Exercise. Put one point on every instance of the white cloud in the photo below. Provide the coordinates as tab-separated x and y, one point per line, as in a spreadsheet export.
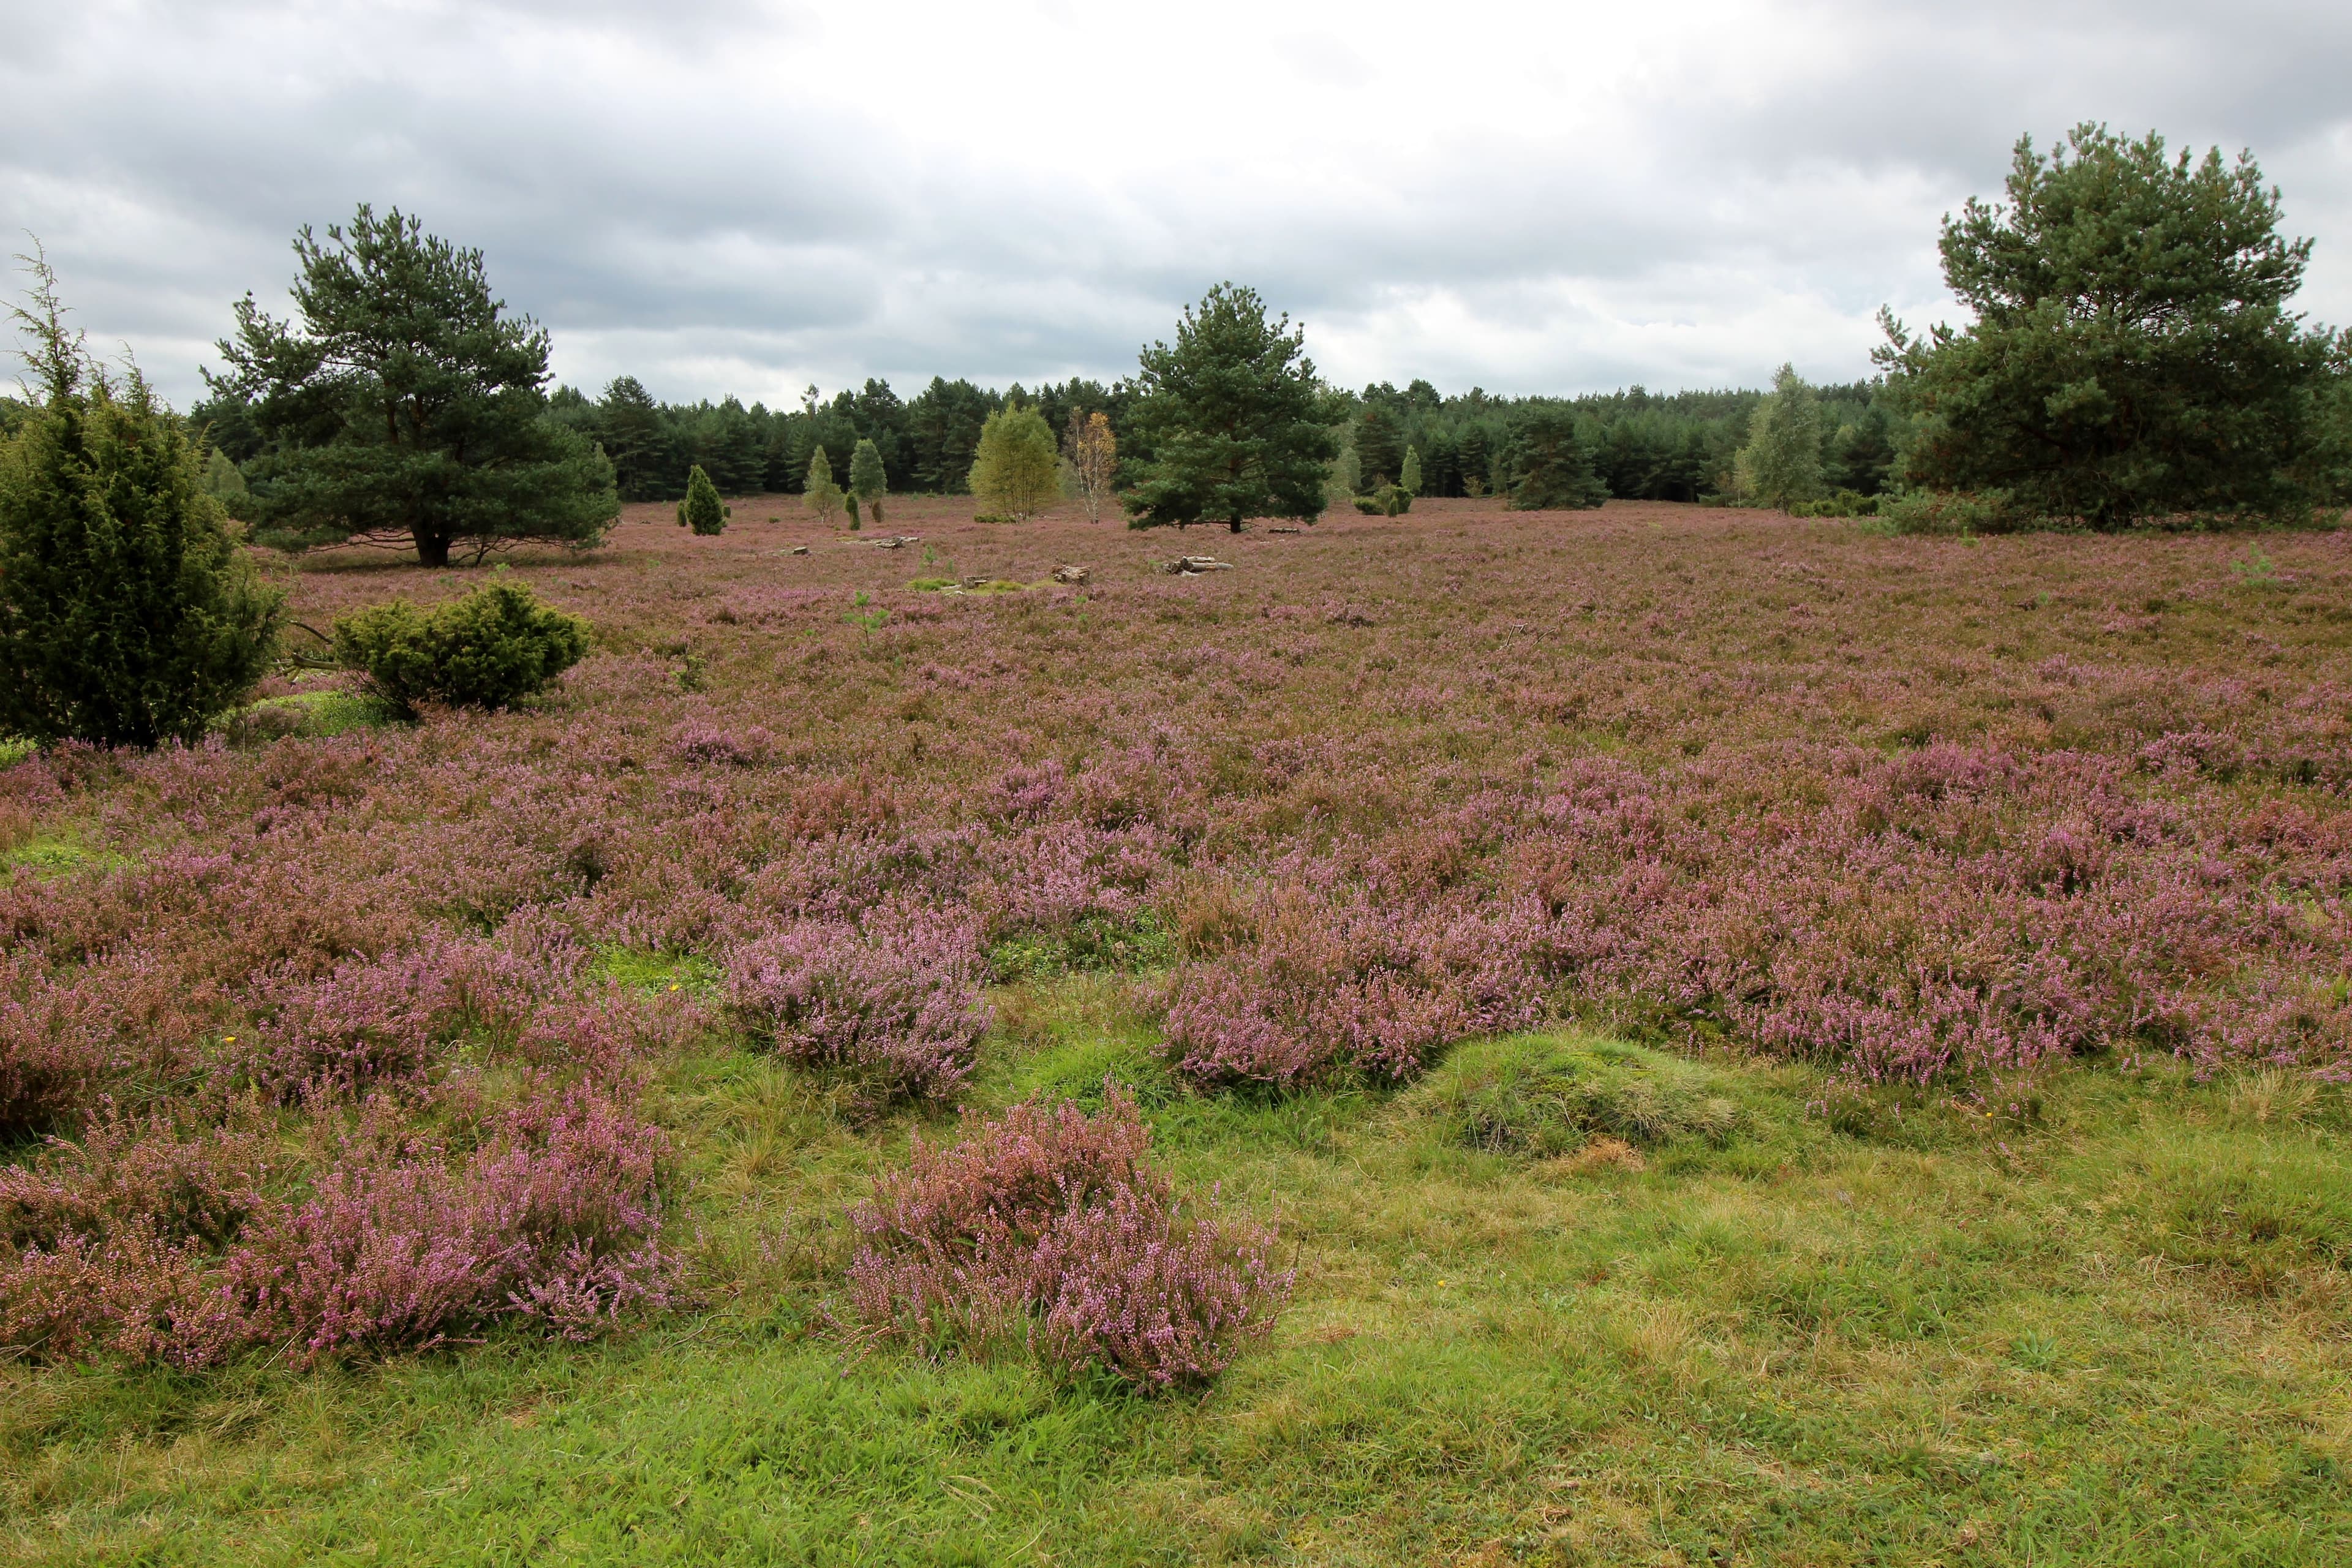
734	196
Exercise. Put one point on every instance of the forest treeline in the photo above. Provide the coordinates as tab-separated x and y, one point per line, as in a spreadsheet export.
1644	446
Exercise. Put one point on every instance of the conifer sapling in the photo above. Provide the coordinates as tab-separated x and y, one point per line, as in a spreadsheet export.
821	495
867	481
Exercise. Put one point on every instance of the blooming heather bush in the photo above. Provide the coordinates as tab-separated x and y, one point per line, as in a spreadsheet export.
384	1018
555	1217
1046	1227
157	1248
1330	985
898	1005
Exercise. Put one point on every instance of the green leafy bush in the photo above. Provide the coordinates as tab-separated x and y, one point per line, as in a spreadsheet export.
128	614
1840	503
1548	1094
488	650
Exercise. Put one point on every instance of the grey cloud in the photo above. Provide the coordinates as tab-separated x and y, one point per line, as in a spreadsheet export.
711	197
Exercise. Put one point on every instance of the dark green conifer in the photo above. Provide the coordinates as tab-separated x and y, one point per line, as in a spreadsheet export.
1550	466
702	511
128	613
1379	448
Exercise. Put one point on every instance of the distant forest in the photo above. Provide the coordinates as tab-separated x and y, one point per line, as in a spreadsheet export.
1644	446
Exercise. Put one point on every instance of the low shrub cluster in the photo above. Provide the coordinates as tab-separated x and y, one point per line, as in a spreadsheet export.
489	649
1046	1228
153	1244
1321	988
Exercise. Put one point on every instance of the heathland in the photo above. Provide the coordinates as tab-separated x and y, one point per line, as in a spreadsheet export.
1754	1039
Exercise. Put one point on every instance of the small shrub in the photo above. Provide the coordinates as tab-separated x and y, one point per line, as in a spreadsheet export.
867	481
1546	1095
489	649
1840	503
1047	1229
1947	512
898	1007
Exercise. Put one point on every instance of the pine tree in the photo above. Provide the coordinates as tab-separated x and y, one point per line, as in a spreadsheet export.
1230	417
407	406
1861	453
629	428
1018	472
867	481
1782	464
2132	355
820	494
1550	466
128	614
1409	476
702	511
1379	448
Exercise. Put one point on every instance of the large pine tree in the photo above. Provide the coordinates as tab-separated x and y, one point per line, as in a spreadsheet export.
407	406
629	428
1228	415
2132	353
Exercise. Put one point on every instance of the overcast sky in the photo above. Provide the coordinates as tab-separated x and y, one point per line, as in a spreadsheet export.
733	197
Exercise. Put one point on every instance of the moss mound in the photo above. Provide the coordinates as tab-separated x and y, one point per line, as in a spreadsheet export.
1548	1094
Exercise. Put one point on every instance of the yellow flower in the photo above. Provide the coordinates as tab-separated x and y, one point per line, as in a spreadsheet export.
673	984
228	1039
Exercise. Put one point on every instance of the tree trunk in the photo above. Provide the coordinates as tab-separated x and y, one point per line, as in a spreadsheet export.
432	549
1235	525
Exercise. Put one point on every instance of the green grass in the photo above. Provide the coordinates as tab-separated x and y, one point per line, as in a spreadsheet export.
657	971
2115	1333
317	713
49	855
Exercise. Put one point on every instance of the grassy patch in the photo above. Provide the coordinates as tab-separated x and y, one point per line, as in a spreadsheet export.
1553	1094
660	971
1091	945
2114	1336
313	713
49	855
